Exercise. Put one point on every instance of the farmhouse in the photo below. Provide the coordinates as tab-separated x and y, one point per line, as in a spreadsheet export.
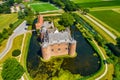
55	43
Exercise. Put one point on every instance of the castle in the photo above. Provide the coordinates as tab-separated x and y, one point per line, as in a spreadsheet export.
55	43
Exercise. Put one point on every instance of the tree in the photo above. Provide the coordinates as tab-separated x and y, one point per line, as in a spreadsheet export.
66	20
85	11
12	70
21	15
11	25
10	2
16	52
18	1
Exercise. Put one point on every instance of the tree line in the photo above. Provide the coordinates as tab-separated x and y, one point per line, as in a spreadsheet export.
5	6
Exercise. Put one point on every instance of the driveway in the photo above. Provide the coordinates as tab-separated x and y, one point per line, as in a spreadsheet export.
18	31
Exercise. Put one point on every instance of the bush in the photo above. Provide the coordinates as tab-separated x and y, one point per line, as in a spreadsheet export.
16	52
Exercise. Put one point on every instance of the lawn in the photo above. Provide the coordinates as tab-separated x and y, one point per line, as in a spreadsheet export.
42	7
6	19
108	17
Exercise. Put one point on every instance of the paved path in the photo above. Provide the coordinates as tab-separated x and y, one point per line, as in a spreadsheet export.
106	66
102	27
18	31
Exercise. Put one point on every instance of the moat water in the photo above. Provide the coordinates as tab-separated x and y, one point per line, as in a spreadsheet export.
85	63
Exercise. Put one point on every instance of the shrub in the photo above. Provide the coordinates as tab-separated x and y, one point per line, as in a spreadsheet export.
16	52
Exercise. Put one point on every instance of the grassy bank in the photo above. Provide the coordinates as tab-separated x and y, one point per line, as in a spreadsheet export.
6	19
2	46
24	55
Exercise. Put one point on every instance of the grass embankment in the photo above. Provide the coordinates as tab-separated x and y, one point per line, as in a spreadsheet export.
108	17
24	55
17	42
42	7
6	19
96	28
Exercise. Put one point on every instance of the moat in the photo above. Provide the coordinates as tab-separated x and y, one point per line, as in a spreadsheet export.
85	63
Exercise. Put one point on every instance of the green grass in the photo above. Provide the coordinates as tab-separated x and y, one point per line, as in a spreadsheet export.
42	7
24	55
109	17
85	1
6	19
3	45
99	4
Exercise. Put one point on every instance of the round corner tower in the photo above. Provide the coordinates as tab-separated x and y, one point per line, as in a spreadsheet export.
72	49
45	53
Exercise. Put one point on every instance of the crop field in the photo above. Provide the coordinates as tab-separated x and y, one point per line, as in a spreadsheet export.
42	7
6	19
109	17
97	3
85	1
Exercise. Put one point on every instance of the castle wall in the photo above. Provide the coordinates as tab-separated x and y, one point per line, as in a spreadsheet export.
72	49
55	50
59	49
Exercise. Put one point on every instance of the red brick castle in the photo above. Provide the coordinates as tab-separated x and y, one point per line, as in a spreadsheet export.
55	43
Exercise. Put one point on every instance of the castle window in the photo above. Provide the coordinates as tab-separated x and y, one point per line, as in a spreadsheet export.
58	49
66	48
52	49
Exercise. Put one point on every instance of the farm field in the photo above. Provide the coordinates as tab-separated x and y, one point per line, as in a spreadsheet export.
108	17
42	7
97	3
6	19
85	1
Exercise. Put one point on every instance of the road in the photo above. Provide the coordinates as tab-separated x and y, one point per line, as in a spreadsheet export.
106	66
102	27
110	34
18	31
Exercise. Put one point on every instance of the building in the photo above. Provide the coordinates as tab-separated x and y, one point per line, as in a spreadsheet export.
53	42
15	8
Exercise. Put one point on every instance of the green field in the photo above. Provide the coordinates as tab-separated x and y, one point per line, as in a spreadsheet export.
6	19
97	3
42	7
109	17
85	1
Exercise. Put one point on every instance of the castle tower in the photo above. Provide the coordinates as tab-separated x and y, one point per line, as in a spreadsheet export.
46	53
39	24
72	49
